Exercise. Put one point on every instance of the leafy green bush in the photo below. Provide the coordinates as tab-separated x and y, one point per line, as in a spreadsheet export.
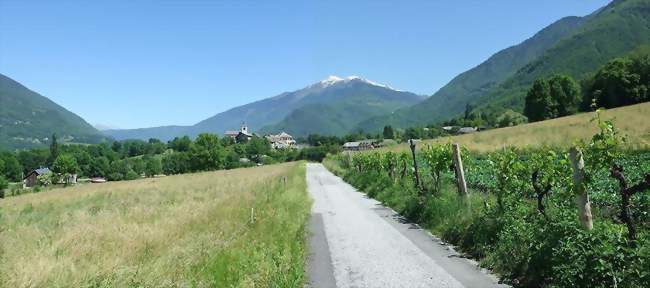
3	185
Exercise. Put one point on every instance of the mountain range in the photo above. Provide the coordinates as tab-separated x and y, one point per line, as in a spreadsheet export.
575	46
333	106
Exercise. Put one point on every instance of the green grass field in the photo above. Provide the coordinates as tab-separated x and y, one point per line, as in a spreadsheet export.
190	230
634	121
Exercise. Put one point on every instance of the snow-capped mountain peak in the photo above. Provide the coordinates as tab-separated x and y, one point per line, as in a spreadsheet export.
332	80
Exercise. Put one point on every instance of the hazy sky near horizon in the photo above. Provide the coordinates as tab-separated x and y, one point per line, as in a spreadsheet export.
132	64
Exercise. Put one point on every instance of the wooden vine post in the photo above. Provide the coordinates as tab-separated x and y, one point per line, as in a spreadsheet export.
460	173
415	165
349	158
582	198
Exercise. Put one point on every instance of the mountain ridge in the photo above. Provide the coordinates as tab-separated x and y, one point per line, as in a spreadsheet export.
28	119
262	114
476	81
575	46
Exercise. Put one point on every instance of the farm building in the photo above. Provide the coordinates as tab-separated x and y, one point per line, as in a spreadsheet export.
31	179
359	145
467	130
281	141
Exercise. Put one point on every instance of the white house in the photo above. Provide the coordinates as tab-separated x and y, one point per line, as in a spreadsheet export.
281	141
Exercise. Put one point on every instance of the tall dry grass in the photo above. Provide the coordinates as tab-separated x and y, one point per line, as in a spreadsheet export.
633	120
185	230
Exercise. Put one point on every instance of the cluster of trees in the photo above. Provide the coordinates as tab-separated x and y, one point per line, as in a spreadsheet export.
132	159
10	170
334	142
487	117
620	82
550	98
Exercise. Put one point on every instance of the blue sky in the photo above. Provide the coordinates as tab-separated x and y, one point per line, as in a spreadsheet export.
134	64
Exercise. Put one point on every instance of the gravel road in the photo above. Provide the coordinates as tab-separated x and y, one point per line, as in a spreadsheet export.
356	242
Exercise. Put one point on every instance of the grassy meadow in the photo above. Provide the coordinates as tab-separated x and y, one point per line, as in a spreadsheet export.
191	230
633	120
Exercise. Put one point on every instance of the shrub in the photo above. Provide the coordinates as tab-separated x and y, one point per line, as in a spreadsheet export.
3	185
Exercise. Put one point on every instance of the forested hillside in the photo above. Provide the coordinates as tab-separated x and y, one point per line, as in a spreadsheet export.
27	119
574	46
619	29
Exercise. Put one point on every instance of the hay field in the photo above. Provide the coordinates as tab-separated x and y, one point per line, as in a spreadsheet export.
634	121
190	230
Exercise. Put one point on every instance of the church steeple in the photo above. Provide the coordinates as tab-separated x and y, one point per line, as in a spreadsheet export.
244	128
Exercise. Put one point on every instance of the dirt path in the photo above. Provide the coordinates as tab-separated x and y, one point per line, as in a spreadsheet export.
356	242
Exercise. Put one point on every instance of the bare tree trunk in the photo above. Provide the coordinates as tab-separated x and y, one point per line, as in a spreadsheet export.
582	198
415	165
460	173
540	191
627	192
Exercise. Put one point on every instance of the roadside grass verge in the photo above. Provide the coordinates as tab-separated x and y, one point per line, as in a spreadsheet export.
191	230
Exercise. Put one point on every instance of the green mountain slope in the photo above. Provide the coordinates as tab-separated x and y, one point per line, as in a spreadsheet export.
476	82
346	106
28	119
574	45
614	31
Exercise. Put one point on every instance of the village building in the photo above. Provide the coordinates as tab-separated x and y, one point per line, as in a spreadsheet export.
240	136
359	145
281	141
31	179
467	130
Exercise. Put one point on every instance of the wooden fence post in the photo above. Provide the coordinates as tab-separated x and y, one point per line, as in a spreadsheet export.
582	198
415	165
460	173
349	158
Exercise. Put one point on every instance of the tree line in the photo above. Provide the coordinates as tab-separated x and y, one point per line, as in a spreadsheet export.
132	159
622	81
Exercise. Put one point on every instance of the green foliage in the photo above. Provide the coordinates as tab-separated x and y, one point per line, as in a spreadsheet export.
66	166
551	98
388	132
176	163
522	219
9	167
539	105
54	149
180	144
3	185
565	93
153	167
47	179
510	118
622	81
438	159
